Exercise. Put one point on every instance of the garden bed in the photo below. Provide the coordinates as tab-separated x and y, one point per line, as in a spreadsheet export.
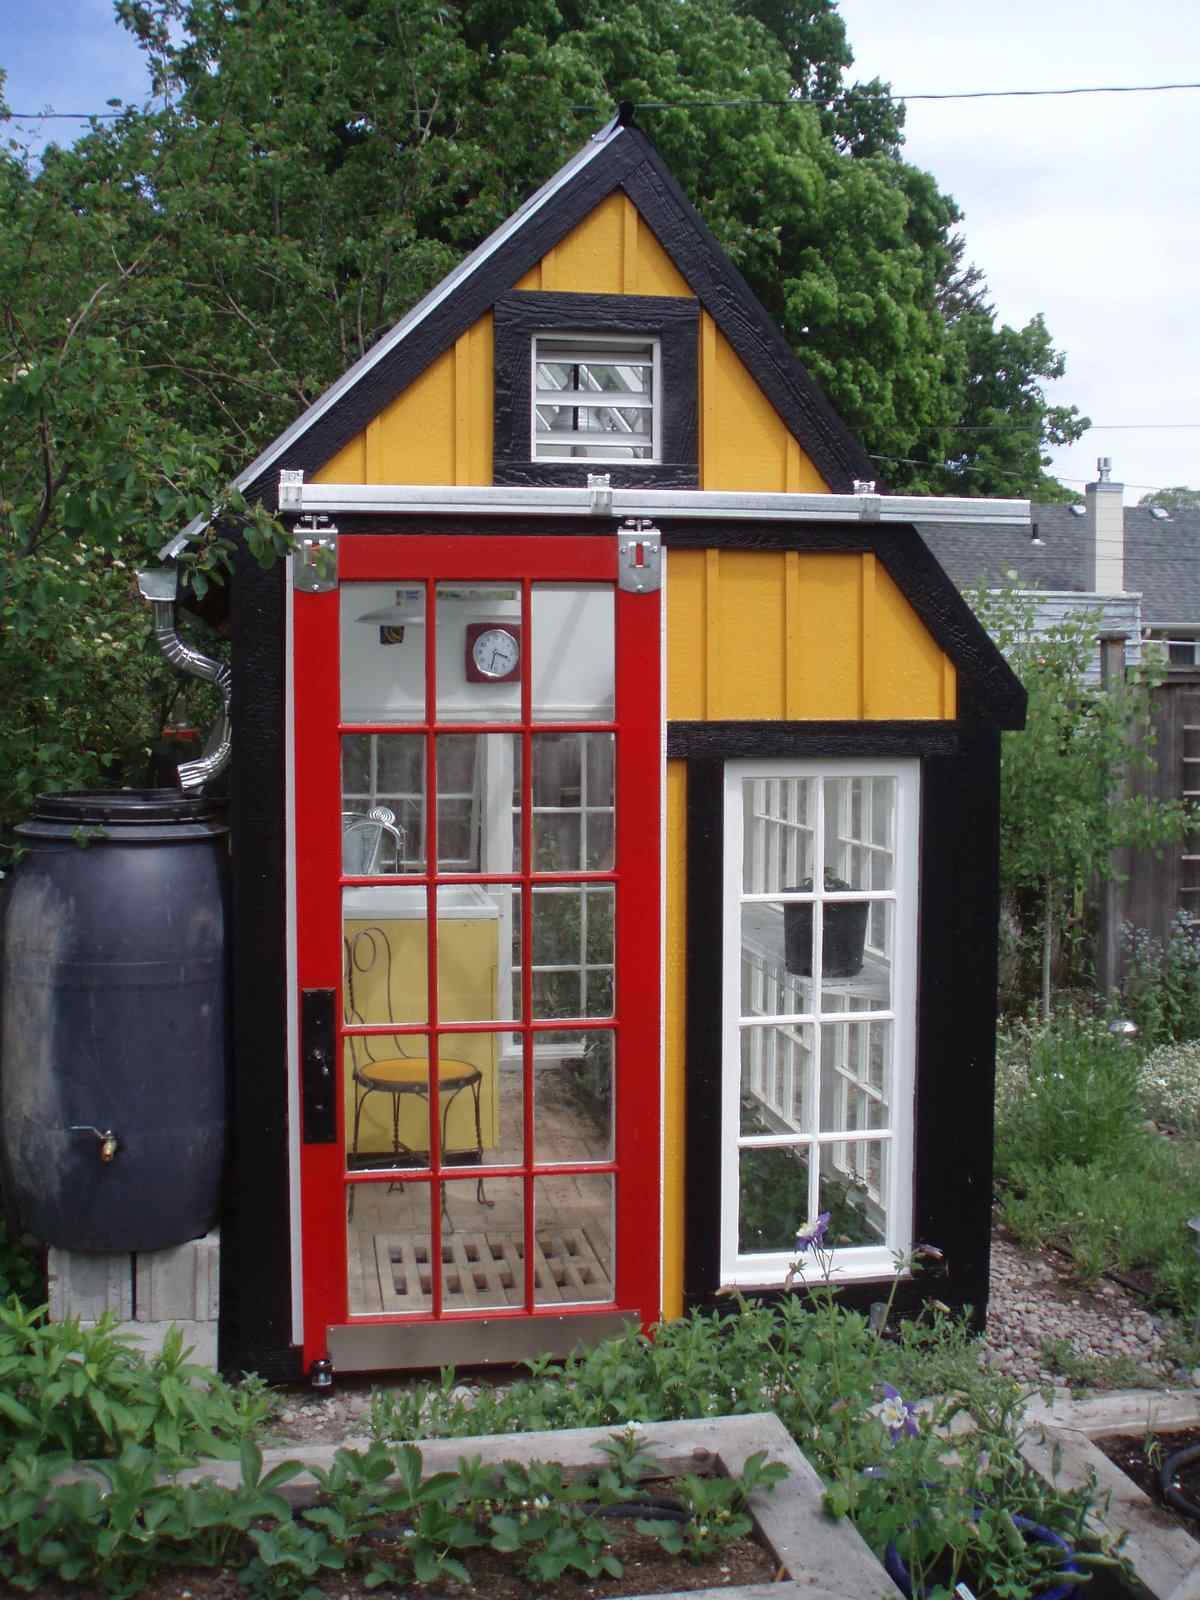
647	1570
1061	1443
1140	1456
794	1549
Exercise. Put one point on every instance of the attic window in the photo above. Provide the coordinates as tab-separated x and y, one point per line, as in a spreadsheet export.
596	399
587	382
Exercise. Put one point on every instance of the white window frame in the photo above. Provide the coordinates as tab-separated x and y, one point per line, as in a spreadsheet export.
761	1268
599	348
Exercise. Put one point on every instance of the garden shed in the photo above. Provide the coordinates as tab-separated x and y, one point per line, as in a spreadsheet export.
614	823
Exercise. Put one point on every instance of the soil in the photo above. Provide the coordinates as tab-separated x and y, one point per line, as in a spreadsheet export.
1139	1455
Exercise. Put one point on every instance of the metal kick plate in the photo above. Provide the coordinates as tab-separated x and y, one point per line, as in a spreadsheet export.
479	1341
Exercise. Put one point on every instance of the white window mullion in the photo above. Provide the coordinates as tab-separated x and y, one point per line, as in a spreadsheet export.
785	1009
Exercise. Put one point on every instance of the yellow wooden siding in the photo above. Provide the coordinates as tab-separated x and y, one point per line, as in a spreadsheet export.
766	636
675	1004
744	443
438	430
611	251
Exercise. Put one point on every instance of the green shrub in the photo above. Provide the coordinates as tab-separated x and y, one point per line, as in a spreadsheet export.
1075	1102
1161	987
89	1392
1130	1216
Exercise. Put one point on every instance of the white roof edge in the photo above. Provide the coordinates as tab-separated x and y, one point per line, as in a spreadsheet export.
1114	597
500	500
410	320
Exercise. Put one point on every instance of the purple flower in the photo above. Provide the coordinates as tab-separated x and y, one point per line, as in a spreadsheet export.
814	1236
897	1416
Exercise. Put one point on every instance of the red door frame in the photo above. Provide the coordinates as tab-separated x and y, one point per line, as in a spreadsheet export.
637	874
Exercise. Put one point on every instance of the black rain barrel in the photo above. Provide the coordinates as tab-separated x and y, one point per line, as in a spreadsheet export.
114	1011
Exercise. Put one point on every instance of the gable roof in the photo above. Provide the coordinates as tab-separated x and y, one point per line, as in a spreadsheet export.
1162	557
618	157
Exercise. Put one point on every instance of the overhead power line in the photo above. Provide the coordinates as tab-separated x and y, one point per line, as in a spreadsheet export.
703	105
1092	427
997	472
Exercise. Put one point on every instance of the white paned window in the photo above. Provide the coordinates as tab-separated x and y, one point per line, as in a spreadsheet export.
819	1013
596	399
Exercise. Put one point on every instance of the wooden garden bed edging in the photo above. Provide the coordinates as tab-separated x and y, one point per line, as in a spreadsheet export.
1058	1446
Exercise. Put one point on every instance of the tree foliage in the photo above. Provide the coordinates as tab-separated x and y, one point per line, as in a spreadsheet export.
1064	802
1178	498
186	278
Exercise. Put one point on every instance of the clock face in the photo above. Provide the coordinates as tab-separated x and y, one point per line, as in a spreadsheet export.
493	652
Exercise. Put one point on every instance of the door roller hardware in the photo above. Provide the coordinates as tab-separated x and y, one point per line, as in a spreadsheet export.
314	569
639	557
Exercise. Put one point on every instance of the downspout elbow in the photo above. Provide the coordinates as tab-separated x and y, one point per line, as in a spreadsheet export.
158	587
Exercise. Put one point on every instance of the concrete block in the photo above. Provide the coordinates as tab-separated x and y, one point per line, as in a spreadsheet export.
84	1284
179	1285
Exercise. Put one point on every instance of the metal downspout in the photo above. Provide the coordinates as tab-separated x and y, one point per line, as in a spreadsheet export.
159	586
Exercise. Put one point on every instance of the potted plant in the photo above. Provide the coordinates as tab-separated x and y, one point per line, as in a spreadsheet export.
844	931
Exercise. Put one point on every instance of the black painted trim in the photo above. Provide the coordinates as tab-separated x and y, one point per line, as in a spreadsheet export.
725	741
956	1005
436	333
255	1321
728	298
958	919
702	1088
674	322
627	162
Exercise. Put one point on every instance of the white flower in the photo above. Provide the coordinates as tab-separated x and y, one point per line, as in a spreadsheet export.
891	1412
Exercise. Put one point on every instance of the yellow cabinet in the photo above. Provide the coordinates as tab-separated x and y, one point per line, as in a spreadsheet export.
386	959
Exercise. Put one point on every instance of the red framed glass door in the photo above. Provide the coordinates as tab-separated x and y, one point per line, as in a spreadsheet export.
477	826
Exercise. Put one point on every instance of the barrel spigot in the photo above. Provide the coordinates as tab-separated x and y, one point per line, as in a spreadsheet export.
105	1136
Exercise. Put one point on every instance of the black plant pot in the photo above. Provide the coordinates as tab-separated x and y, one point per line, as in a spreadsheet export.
844	938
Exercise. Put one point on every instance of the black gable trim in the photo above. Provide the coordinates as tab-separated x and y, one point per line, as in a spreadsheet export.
470	300
629	162
727	297
906	559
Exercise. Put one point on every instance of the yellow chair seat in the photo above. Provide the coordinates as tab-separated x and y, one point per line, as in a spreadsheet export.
410	1074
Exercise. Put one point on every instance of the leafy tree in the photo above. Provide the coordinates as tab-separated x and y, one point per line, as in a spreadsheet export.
1005	420
1064	806
1179	498
180	283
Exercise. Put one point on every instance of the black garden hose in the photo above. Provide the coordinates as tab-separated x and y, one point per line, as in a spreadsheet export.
654	1508
1169	1471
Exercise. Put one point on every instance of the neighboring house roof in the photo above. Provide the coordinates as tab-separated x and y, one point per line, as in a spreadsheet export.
1162	558
1162	561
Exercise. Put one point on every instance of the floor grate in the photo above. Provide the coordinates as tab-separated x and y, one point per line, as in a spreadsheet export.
482	1270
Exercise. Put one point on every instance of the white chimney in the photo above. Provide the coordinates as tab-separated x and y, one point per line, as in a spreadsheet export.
1104	566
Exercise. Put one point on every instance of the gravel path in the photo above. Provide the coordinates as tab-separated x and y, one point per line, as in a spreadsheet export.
1114	1341
1107	1340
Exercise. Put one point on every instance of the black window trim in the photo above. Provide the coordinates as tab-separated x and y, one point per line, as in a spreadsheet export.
673	320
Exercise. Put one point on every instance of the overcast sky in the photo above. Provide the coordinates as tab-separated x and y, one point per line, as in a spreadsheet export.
1084	208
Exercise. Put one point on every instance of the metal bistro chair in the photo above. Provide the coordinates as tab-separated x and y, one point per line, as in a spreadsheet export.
363	835
398	1074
